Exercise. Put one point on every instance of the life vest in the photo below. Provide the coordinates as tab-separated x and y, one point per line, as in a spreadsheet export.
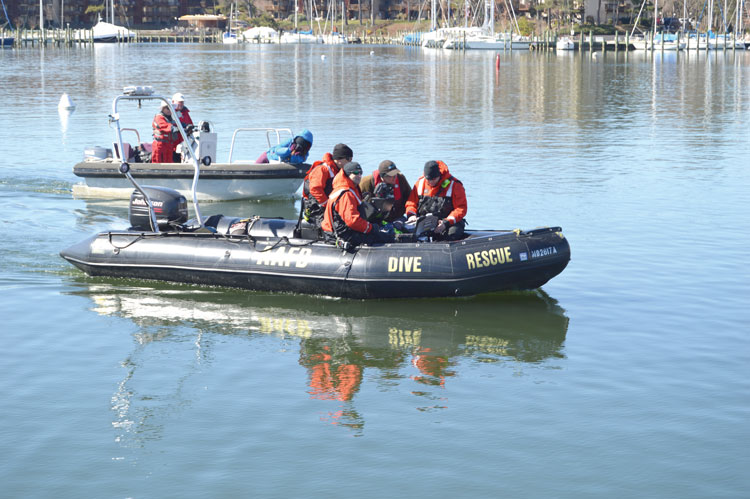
184	113
159	135
442	203
329	183
340	229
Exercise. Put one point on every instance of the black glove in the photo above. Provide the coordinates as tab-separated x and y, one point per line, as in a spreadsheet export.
189	129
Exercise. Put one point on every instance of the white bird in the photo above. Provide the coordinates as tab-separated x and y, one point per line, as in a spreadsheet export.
323	57
65	102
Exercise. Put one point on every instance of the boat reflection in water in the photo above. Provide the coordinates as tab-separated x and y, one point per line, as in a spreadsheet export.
418	342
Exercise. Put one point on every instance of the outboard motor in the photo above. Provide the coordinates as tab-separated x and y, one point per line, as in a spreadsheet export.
170	208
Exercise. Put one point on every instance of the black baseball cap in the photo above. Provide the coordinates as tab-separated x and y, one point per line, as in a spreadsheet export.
431	170
352	167
342	151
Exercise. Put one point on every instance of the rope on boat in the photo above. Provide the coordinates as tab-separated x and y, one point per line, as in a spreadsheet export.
120	248
238	239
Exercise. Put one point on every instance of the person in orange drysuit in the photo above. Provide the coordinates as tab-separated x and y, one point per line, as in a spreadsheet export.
183	114
441	194
165	136
318	183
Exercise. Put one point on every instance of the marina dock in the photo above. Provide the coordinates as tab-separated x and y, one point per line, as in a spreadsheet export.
545	42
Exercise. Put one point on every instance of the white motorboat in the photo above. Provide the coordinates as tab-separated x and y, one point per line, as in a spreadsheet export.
335	39
236	178
661	41
229	38
104	32
453	38
503	41
717	42
565	43
300	37
433	39
261	34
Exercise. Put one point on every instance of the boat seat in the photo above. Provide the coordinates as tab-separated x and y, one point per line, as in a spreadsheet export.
224	225
261	227
273	227
127	149
309	231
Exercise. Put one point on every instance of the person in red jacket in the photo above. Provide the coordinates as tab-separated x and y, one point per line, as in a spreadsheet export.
182	113
318	183
439	193
165	136
343	220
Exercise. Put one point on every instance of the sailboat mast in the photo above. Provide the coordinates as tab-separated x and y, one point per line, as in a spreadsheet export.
725	16
684	14
738	25
41	15
487	23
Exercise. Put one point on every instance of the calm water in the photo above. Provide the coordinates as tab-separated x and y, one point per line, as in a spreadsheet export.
625	376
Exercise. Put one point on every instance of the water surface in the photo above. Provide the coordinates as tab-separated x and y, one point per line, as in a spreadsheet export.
626	375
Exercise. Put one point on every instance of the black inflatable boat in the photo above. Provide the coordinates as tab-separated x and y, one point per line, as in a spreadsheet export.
276	255
271	258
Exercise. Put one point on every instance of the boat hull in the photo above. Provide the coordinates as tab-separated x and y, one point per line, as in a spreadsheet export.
565	44
218	182
299	38
486	43
272	259
497	45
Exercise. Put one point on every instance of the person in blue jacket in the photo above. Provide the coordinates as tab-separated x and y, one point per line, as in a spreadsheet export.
294	150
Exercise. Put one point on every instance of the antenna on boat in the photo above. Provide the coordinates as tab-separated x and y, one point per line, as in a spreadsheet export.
147	93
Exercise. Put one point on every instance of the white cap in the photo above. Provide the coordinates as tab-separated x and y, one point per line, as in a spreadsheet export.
178	97
163	104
